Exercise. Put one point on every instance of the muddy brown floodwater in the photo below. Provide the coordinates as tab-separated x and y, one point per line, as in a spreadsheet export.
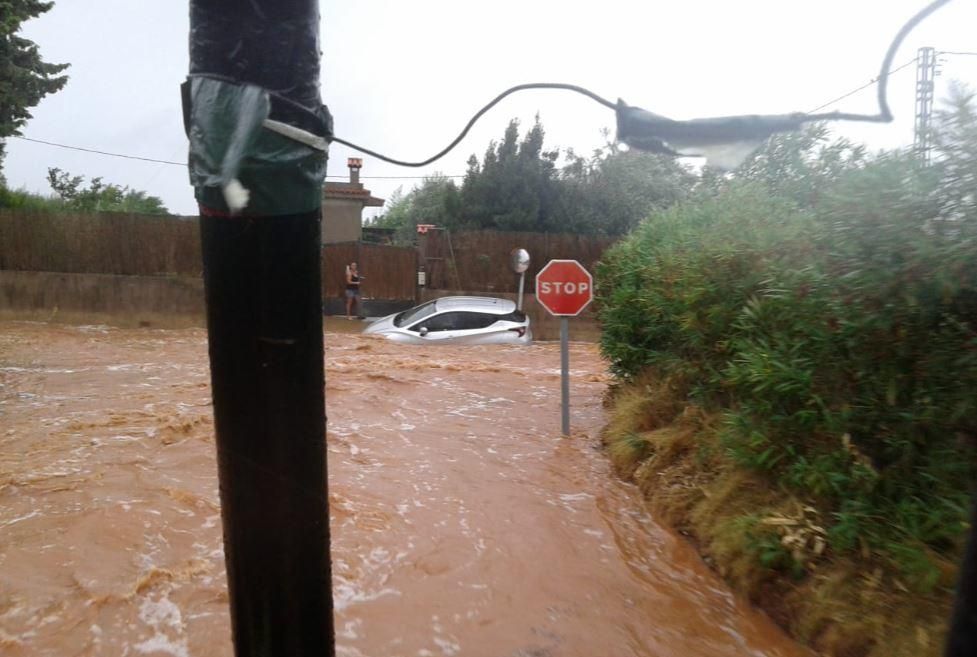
462	523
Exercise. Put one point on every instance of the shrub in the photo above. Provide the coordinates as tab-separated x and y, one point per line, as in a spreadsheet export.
838	339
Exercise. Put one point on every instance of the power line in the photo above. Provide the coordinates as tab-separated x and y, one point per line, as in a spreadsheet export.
183	164
433	175
864	86
884	114
895	70
98	152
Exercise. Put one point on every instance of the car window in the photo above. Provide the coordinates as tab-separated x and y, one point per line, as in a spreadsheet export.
477	320
457	321
514	316
442	322
408	317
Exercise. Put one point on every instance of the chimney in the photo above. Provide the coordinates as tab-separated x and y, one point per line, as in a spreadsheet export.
354	164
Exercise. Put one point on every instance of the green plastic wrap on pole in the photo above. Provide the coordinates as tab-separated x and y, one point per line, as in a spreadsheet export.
228	141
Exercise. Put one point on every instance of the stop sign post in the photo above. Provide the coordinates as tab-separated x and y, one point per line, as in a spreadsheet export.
564	288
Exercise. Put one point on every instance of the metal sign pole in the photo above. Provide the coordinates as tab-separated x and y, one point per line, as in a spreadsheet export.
565	372
522	286
564	288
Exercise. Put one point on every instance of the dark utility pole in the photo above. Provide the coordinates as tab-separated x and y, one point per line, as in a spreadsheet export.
258	133
962	638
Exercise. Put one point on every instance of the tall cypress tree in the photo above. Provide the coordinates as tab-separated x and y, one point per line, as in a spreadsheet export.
512	189
24	77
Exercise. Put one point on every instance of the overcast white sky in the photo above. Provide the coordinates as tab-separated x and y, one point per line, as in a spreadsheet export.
402	77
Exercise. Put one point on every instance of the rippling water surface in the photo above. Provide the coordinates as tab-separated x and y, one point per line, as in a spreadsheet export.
463	524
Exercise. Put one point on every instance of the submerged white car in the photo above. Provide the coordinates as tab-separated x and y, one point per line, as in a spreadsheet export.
457	320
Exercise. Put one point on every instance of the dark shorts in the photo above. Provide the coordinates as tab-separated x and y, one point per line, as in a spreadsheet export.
352	294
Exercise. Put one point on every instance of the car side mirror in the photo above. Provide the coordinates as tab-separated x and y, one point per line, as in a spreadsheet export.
423	331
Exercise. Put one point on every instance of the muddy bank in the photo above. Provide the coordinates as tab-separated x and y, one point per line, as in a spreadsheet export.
463	524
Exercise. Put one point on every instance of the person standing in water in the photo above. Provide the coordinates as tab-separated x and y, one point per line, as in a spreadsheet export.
353	279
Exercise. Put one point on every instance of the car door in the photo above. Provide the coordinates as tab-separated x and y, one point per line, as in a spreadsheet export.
476	328
455	326
437	328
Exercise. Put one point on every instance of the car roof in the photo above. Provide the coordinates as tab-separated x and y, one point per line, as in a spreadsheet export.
476	304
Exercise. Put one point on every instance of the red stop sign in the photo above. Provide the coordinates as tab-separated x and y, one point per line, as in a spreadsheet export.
564	287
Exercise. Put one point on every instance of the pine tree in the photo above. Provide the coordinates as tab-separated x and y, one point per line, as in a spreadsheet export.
514	187
24	77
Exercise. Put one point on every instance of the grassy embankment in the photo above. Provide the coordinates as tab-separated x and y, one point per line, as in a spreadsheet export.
796	361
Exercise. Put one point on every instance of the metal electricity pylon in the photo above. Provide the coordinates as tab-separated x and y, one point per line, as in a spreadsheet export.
925	78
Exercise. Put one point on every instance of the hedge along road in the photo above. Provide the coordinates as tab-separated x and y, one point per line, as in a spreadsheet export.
463	524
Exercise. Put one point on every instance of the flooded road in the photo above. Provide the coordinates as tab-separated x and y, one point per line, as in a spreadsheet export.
462	523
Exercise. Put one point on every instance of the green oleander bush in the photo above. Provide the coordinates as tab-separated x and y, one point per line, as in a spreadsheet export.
833	334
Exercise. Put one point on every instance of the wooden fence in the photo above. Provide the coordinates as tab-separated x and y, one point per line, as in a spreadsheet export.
145	245
389	272
136	245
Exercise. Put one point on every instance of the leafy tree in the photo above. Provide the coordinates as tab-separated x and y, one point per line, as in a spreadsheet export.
21	199
802	165
612	191
954	137
437	200
515	186
24	77
395	214
518	186
101	197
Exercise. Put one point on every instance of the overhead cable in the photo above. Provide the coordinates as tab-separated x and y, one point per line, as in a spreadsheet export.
730	124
